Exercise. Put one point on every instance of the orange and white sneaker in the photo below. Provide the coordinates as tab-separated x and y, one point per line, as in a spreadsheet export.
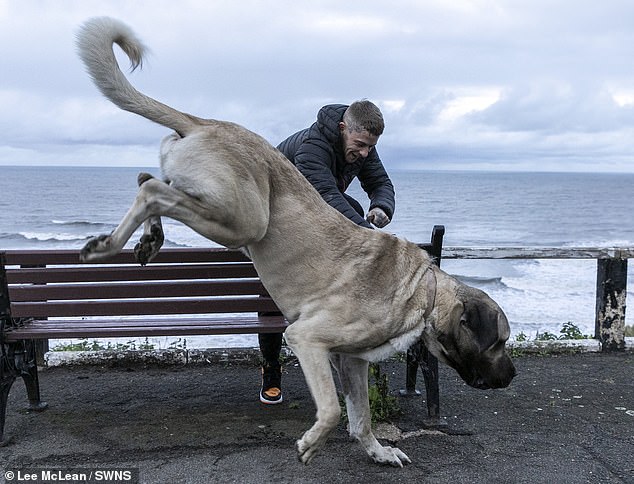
271	391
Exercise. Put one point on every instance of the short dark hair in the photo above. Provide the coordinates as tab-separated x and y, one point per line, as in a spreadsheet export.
364	115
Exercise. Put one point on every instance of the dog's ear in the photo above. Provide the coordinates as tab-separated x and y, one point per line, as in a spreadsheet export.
452	327
481	320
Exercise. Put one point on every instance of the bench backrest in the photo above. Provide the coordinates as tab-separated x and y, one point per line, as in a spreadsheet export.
53	283
47	283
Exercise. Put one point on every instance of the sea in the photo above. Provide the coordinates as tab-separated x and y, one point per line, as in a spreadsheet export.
62	207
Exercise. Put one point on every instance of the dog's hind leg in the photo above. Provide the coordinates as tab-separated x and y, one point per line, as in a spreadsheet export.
353	375
155	198
104	246
313	359
153	236
151	241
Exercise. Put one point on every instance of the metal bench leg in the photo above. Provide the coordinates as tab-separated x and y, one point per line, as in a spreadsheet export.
8	374
18	359
26	363
419	355
5	386
411	368
429	367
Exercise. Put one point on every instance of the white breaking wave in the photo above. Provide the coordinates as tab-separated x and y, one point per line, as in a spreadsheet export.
50	236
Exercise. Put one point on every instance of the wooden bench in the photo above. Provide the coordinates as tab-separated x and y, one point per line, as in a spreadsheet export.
49	294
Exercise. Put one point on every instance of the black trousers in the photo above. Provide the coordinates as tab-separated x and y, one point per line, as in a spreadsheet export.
270	347
271	343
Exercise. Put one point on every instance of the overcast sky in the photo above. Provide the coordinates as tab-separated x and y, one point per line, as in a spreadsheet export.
481	84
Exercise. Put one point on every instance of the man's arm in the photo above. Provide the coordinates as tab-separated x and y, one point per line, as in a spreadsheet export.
377	184
315	160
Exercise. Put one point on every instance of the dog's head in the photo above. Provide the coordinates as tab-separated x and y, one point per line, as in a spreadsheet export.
469	334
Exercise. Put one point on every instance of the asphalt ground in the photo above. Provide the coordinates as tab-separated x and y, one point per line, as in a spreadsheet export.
564	419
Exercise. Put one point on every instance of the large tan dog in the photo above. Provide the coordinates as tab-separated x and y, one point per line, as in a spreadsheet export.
351	294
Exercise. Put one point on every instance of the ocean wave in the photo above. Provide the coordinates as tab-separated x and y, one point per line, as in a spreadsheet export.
171	243
179	235
36	240
52	237
479	281
83	223
33	240
603	243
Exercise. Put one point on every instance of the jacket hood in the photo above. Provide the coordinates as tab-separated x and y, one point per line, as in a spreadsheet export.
328	119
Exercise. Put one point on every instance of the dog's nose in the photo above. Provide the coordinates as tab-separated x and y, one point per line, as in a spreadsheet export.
480	384
509	377
502	376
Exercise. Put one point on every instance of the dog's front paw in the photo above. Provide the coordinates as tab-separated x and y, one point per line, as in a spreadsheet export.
149	245
96	248
390	456
305	451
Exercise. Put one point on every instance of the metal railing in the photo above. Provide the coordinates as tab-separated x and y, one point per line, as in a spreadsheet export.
611	280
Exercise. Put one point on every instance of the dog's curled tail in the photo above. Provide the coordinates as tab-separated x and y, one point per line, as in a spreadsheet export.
95	40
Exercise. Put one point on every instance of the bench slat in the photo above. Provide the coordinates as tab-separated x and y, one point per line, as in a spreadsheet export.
140	307
129	290
60	329
115	322
129	273
166	255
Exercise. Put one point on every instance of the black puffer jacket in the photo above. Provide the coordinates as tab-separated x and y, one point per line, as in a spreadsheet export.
318	154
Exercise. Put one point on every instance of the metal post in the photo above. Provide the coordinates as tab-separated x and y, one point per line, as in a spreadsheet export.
610	307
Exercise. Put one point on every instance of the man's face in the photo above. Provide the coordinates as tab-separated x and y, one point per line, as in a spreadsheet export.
356	144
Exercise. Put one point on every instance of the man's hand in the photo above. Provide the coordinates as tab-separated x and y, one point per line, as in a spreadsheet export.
377	217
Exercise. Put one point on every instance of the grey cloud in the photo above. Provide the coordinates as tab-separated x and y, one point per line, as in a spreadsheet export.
270	66
555	108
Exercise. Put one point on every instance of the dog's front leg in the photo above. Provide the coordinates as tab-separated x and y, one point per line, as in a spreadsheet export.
313	359
353	375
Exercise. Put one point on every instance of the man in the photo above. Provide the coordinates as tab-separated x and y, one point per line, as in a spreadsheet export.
338	147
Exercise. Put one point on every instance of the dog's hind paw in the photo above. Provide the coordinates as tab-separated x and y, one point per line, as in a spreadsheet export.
143	177
390	456
149	245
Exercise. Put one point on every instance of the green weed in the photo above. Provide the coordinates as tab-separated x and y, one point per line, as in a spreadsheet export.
383	406
84	345
569	331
